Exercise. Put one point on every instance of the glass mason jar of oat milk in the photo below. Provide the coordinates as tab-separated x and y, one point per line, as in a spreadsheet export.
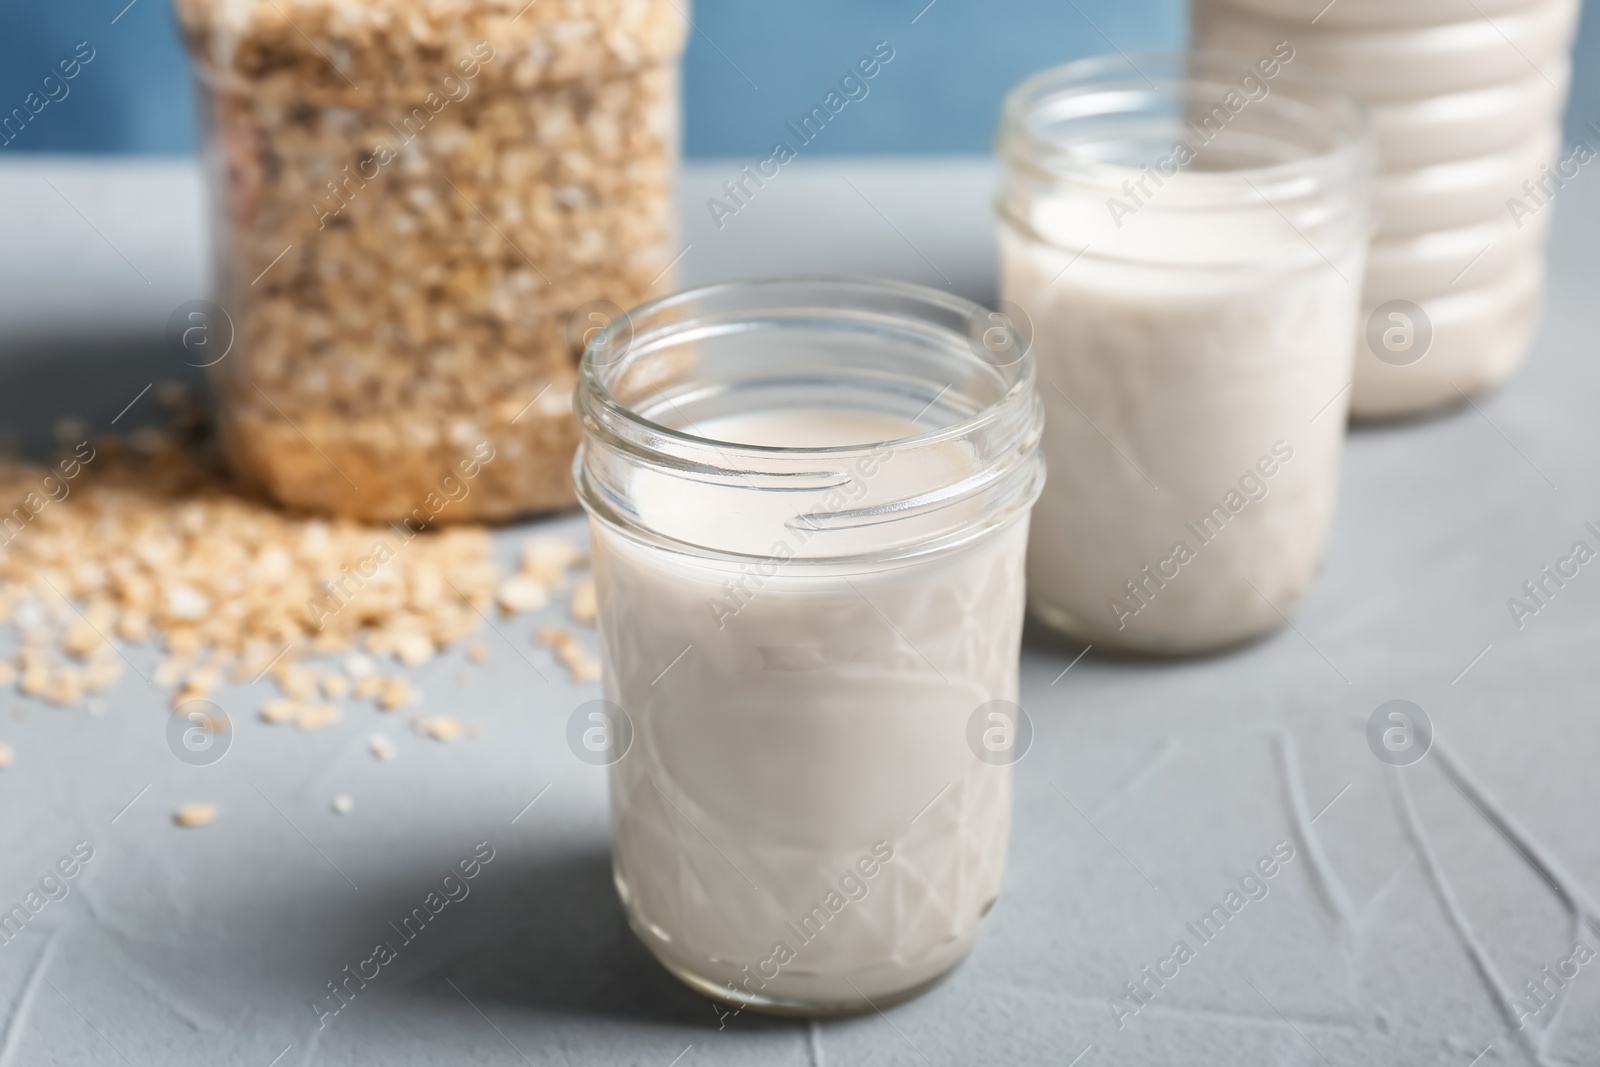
1187	236
808	507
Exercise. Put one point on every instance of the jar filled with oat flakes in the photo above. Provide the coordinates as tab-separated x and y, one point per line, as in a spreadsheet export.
420	207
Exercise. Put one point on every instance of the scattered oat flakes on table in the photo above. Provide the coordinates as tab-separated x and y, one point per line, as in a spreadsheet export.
82	639
586	669
158	544
195	815
547	559
440	727
585	605
581	666
413	649
393	693
317	716
35	680
65	687
521	593
168	673
343	805
280	711
296	681
134	625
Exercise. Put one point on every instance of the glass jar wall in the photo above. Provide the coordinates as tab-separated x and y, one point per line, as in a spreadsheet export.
808	505
412	202
1186	234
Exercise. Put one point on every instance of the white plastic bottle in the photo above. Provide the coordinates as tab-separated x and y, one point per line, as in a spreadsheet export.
1466	100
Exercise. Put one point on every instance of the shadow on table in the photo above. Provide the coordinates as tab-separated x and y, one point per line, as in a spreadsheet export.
94	379
1037	637
546	934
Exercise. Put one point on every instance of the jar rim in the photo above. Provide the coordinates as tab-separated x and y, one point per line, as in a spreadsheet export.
1102	127
744	347
599	392
1017	144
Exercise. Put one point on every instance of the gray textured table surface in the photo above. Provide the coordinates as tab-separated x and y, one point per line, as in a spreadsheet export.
1417	901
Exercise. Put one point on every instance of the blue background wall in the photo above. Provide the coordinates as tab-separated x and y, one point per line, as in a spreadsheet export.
941	93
